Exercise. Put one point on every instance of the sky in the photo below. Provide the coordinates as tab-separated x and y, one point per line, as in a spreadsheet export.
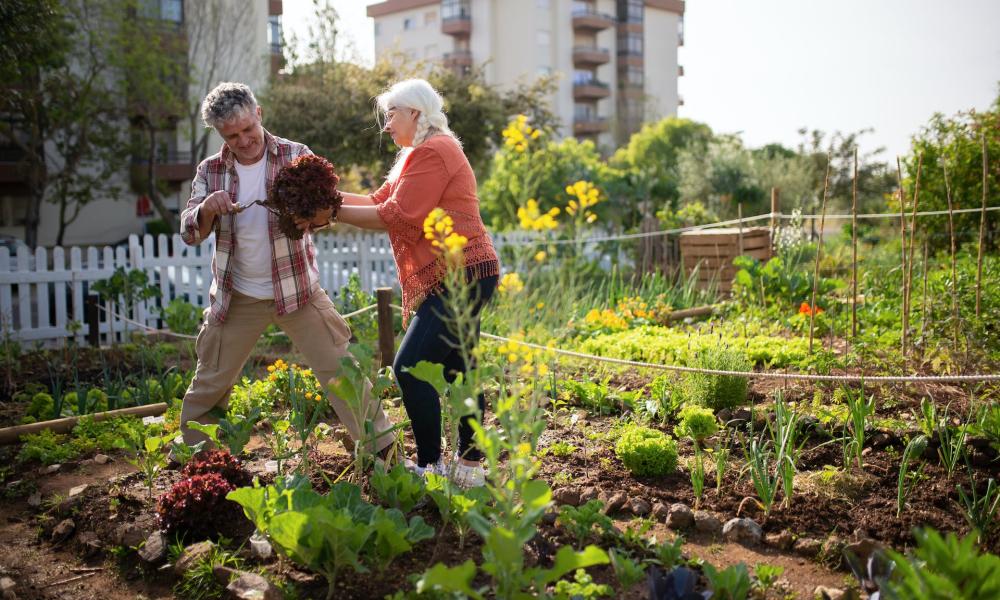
767	68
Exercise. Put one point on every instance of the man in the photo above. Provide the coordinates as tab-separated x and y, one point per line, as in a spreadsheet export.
259	275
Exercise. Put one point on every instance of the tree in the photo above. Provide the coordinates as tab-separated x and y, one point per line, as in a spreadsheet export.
328	106
531	165
34	38
652	154
152	57
217	45
64	115
721	174
956	142
874	176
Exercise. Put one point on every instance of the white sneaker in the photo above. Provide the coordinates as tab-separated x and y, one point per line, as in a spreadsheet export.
465	476
438	468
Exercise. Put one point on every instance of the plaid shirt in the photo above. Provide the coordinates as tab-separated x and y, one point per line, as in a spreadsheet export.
294	272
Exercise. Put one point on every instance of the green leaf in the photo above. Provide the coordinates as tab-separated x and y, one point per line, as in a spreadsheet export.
442	578
569	560
432	373
212	431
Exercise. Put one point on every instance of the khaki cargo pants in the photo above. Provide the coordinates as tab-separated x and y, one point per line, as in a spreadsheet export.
318	332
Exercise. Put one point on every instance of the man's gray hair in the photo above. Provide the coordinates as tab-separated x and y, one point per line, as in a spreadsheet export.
226	102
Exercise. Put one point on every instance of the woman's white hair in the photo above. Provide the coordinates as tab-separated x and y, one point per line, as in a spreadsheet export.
415	94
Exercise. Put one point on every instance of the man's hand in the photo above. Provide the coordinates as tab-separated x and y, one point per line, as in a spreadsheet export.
320	219
218	203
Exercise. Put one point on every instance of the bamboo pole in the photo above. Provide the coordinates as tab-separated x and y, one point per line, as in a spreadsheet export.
10	435
819	253
923	304
775	211
954	266
902	253
854	249
982	230
909	258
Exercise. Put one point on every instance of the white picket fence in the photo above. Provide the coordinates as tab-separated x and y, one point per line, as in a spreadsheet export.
42	296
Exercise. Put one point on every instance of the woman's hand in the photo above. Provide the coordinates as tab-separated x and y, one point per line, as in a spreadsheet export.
320	219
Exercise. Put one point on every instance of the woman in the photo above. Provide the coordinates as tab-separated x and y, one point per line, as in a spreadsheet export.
430	171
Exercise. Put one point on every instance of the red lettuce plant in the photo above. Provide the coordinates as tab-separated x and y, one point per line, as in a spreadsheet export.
303	187
220	462
196	506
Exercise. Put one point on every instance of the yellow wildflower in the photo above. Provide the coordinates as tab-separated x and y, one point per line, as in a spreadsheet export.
540	256
270	368
510	283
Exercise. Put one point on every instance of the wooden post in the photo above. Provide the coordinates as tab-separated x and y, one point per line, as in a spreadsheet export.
11	435
92	315
739	216
775	211
819	253
854	251
386	333
982	230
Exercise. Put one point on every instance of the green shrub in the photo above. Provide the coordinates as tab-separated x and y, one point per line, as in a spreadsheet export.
697	423
248	395
41	406
944	567
646	451
181	316
46	447
719	391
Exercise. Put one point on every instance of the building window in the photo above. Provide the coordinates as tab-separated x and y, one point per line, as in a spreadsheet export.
274	33
407	24
630	11
164	10
430	18
543	4
544	71
630	43
378	29
680	31
582	7
632	76
454	9
584	112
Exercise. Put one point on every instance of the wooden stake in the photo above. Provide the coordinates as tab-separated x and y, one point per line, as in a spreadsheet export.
386	332
982	230
954	267
923	305
775	211
819	252
902	253
854	251
913	232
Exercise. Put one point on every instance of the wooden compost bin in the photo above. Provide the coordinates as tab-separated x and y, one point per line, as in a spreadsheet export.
712	251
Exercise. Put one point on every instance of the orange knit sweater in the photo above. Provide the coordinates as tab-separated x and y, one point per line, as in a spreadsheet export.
436	174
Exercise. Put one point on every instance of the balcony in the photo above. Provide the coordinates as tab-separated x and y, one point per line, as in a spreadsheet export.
586	56
586	19
274	7
590	90
172	167
457	59
589	125
457	25
680	70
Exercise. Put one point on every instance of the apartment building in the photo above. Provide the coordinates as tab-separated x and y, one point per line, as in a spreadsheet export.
616	60
225	40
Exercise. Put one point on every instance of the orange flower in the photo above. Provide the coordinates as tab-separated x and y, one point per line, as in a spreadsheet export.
805	310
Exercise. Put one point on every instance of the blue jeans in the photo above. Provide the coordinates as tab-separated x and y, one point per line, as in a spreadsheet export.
429	338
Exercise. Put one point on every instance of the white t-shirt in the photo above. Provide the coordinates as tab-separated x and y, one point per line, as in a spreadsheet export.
252	257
